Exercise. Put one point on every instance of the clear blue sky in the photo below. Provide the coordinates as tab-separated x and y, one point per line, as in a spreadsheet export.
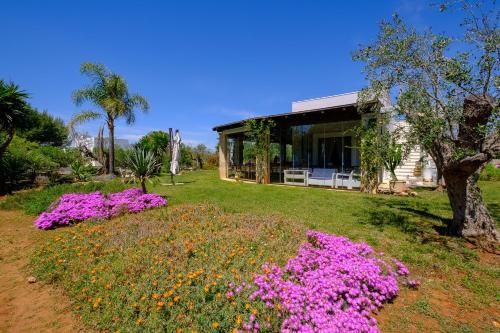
199	63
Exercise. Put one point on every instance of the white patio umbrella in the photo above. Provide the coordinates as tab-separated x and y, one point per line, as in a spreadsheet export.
174	163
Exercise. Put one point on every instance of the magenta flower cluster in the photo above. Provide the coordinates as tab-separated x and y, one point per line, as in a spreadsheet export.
332	285
77	207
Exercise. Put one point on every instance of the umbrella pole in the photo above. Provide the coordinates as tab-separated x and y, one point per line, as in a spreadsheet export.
172	178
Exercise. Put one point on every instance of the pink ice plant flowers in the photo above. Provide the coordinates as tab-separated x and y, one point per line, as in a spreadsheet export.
77	207
332	285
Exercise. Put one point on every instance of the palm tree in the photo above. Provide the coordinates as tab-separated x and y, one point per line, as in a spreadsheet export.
13	108
144	165
109	92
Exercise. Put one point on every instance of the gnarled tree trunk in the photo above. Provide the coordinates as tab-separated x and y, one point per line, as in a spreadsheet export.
471	219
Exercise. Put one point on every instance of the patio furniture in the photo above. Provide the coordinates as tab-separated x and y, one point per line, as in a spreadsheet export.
347	180
296	177
322	177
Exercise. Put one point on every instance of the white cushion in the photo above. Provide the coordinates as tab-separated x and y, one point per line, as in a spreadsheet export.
321	173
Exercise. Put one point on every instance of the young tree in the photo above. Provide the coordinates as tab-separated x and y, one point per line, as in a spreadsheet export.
109	92
13	110
144	166
449	96
259	131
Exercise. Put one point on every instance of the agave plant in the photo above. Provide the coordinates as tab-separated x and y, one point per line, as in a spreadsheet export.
143	165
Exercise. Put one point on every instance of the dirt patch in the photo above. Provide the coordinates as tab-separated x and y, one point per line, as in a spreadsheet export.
24	306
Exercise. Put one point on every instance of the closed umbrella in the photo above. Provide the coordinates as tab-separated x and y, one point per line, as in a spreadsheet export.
174	163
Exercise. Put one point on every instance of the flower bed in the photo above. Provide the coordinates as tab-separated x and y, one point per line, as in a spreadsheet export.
332	285
77	207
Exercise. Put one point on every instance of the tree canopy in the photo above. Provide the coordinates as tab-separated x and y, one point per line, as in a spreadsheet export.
43	128
155	141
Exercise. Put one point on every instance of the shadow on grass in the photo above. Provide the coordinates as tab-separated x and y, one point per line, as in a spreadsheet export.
409	216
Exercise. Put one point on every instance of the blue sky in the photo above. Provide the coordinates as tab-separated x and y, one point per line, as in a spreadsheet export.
199	63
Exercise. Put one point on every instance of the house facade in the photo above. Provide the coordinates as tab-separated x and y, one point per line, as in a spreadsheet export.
314	144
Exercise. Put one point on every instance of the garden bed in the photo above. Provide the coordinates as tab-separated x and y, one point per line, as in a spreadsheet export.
200	268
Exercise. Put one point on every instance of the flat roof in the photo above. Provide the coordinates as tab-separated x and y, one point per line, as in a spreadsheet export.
306	107
294	114
326	102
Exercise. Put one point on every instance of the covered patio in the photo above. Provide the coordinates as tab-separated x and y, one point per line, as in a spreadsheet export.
314	145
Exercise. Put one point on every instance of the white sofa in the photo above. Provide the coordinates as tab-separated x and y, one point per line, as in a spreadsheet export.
322	177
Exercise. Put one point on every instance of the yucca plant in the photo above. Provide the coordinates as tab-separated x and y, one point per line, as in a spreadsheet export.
143	165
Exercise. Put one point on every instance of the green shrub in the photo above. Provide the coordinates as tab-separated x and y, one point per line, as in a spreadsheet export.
20	164
63	157
490	173
34	202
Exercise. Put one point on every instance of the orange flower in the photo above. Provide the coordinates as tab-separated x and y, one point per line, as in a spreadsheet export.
215	325
156	296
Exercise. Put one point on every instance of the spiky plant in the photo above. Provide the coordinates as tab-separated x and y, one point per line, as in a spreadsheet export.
13	109
144	166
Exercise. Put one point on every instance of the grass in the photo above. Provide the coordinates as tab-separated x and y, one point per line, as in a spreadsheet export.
459	290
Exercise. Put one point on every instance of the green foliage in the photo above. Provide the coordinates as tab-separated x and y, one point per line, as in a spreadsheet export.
43	128
490	172
144	166
155	141
186	158
81	171
392	153
63	157
121	156
370	150
20	164
259	131
34	202
25	159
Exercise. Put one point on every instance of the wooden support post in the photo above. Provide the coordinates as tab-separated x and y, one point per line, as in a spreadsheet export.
267	162
222	156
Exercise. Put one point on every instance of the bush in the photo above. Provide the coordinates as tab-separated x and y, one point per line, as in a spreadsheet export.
63	157
20	164
490	172
34	202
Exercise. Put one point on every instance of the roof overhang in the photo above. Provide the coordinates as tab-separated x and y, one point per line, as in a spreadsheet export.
342	107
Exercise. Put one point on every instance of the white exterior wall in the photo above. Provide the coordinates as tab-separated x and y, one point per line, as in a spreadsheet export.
407	170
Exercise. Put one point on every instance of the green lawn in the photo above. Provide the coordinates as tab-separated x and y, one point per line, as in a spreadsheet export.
406	228
460	284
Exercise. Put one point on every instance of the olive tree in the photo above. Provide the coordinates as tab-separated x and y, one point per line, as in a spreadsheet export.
447	90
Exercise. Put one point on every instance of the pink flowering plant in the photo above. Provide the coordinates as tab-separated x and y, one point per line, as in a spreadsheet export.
332	285
76	207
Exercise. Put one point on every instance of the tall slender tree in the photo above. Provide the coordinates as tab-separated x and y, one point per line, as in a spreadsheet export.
447	90
109	92
13	110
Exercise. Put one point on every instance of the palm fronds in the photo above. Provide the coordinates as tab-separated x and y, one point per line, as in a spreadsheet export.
144	166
